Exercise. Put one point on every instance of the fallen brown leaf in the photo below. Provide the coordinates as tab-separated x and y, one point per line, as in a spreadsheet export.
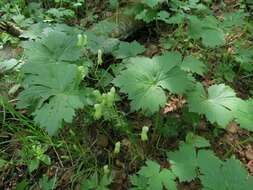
174	104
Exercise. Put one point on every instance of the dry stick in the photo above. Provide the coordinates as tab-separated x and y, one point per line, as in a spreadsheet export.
10	28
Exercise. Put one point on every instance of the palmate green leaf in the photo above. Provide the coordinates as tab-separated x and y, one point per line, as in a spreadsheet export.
127	50
35	30
167	43
147	15
41	29
221	105
145	80
244	56
138	182
164	16
47	184
194	65
206	29
56	47
185	169
103	28
233	19
178	5
46	80
218	104
60	108
189	163
183	162
154	177
54	90
106	44
244	114
97	183
228	175
151	3
209	166
61	13
213	37
196	141
178	18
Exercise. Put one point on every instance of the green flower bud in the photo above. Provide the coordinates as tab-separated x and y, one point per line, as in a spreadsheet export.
98	111
117	148
82	72
144	133
111	97
97	94
106	170
100	57
82	40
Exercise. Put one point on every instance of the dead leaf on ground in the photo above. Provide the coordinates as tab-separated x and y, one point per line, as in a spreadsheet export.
249	152
208	82
233	127
175	103
250	166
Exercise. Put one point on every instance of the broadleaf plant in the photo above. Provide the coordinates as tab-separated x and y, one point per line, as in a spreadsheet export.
51	82
186	170
222	175
54	47
207	29
149	11
220	105
192	64
205	165
97	182
151	3
244	114
151	177
146	80
53	90
126	50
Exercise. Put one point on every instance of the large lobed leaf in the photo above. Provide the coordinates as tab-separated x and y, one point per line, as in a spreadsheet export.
152	177
221	105
244	114
126	50
217	104
189	163
51	83
55	47
151	3
54	93
186	171
222	175
206	29
192	64
145	80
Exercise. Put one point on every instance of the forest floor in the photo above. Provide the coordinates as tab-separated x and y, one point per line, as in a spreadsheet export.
120	95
